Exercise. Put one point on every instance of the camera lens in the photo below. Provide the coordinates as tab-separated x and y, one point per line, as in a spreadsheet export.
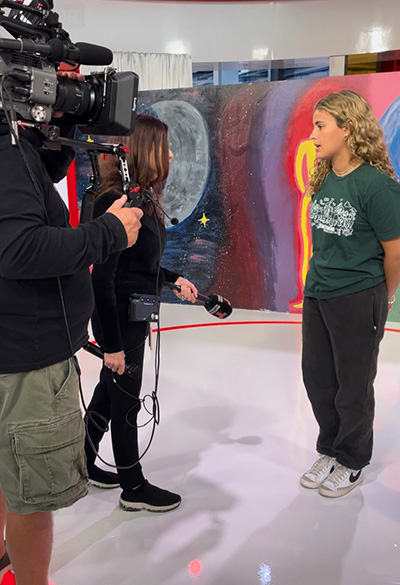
75	97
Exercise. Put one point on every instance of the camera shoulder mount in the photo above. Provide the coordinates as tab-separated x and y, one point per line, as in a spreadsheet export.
54	142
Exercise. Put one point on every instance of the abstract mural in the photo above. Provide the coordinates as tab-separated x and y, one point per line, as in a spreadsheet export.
242	155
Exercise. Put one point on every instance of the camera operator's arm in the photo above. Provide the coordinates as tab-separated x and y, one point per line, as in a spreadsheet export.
30	248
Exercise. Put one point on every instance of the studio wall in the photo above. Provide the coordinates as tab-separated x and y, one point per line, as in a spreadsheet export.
238	31
242	155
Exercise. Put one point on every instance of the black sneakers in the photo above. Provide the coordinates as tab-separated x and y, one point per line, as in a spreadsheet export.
149	497
145	497
103	479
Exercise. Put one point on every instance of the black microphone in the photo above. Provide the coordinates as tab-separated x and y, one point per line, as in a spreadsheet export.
135	200
214	304
89	54
131	370
82	53
173	220
148	195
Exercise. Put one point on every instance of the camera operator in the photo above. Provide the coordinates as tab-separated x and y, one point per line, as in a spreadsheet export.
45	304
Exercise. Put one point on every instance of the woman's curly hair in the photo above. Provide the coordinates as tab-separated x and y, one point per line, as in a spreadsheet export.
365	140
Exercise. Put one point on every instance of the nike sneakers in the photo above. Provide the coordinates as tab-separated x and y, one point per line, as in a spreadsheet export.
318	473
340	482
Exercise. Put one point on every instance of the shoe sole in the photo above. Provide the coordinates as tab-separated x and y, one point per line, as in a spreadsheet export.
327	493
103	486
139	506
309	484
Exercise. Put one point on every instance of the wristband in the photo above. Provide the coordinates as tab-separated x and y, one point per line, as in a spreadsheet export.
391	299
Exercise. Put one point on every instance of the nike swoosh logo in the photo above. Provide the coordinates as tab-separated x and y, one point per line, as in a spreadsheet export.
353	477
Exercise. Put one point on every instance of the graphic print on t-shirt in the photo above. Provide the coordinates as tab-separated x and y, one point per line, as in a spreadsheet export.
333	218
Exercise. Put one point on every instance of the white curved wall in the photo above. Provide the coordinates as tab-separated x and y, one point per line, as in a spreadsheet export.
238	31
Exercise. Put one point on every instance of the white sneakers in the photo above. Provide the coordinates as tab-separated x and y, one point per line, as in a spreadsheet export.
318	473
332	479
340	482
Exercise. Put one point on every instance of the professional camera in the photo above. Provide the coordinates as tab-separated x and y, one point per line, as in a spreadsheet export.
105	103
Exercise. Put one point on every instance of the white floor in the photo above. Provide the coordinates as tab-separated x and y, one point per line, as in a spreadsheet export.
236	432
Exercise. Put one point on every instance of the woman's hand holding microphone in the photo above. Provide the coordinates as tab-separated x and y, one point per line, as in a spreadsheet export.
188	291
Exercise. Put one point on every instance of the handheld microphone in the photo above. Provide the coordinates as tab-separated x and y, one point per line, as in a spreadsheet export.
131	370
214	304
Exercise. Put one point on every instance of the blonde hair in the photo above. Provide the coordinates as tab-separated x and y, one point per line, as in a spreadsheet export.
365	140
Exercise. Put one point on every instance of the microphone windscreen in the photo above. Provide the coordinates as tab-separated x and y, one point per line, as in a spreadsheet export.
57	49
218	306
93	54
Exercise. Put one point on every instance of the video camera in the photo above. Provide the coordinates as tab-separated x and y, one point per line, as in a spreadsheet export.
105	103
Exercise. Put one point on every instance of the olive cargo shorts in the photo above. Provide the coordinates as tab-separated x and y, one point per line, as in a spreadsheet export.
42	460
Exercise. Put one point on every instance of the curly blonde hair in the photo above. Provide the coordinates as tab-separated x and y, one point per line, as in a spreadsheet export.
365	140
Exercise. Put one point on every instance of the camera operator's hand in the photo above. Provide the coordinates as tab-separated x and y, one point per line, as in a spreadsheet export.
115	362
129	217
71	75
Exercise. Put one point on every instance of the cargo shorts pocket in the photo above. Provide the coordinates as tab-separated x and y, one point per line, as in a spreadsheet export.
51	460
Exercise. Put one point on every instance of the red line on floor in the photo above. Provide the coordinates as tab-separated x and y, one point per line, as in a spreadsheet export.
198	325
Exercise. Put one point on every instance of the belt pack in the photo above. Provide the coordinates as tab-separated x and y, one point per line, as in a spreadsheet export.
143	307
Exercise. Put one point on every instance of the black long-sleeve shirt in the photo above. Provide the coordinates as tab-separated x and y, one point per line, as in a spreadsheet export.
133	270
37	245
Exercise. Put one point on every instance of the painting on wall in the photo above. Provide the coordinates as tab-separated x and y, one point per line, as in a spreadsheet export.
238	181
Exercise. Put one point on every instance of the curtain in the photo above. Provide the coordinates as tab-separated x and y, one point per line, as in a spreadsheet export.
155	70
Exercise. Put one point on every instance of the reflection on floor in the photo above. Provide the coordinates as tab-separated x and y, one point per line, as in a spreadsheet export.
236	433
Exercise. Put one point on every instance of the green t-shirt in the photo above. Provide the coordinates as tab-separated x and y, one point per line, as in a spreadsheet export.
349	218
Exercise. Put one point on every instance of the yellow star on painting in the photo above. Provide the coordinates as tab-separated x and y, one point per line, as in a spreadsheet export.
203	220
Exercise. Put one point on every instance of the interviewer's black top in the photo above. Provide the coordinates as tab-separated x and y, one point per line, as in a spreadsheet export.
133	270
37	245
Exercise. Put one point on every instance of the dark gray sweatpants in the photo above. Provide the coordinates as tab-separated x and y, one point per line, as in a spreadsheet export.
341	338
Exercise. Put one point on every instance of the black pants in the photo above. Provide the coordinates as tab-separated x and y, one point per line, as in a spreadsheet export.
118	401
341	338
